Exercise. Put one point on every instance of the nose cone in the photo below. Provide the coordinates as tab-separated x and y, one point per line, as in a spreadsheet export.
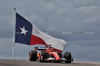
55	54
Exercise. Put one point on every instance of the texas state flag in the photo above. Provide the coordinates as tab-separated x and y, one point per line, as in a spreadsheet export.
28	34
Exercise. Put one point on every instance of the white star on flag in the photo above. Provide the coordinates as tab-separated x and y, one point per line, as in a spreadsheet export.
23	30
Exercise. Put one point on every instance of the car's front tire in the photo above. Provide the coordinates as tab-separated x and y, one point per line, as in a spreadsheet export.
67	56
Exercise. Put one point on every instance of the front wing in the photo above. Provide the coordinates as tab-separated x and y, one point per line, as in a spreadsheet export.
61	59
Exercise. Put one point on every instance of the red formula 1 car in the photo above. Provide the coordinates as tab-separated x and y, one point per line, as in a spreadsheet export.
49	54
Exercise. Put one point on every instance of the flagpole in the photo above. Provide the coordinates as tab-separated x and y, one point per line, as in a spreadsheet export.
14	23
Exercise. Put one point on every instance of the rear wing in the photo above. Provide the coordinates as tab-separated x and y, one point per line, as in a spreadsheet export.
40	48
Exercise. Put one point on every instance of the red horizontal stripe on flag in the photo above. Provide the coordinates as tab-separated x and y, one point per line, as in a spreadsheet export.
36	40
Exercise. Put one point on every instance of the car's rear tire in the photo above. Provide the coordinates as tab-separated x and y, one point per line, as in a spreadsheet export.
68	56
43	53
33	55
42	57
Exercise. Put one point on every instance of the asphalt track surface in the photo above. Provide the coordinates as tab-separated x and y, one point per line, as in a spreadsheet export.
23	62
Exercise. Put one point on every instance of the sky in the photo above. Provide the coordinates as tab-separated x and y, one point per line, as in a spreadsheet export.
75	21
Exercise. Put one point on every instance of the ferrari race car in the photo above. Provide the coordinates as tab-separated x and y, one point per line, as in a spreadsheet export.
49	54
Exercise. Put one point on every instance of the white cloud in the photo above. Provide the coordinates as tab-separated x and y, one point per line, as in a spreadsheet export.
93	20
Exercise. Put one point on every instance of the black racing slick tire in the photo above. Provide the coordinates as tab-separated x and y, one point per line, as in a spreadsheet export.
43	53
33	55
68	56
42	57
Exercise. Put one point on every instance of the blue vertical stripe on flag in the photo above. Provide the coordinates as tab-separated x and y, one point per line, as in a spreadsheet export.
23	30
